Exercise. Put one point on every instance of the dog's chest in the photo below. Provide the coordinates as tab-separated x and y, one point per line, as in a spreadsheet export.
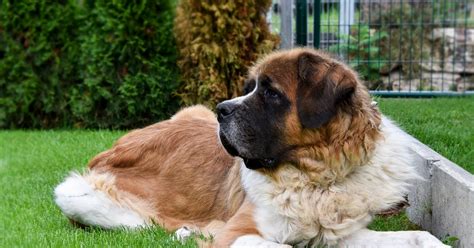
282	215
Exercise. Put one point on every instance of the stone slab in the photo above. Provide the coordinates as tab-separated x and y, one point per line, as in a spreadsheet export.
443	202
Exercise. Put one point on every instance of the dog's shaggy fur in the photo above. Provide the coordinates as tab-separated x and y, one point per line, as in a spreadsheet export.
323	162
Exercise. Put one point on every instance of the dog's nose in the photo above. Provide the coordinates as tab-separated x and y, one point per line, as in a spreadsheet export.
225	109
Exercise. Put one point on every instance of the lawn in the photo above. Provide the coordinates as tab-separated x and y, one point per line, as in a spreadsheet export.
444	124
33	162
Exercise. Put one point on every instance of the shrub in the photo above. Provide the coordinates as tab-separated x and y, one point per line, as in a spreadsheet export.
38	65
217	41
108	64
363	51
128	64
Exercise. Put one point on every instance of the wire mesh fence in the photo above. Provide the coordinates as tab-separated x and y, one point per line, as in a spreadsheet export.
412	47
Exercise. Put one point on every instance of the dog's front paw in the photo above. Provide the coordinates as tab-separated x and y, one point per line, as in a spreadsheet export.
183	233
426	239
408	239
256	241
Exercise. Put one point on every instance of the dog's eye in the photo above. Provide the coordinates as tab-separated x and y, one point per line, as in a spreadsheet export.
269	93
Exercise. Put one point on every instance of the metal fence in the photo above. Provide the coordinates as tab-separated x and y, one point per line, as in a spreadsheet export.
411	47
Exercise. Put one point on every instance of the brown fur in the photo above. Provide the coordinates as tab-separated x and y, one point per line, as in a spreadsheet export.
186	183
331	152
240	224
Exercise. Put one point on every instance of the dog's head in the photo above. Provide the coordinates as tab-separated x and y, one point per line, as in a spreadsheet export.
294	99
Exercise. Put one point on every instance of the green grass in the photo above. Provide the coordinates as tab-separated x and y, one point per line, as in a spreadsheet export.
33	162
444	124
399	222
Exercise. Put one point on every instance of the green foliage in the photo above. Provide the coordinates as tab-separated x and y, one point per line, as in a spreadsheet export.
217	41
128	61
452	241
37	65
97	64
363	52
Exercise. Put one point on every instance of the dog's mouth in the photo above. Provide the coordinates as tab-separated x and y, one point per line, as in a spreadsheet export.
227	146
251	163
254	164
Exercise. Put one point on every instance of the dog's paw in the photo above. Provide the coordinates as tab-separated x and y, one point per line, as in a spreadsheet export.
426	239
408	239
183	233
256	241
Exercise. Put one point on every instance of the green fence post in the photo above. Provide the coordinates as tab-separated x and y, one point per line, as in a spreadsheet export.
301	22
317	23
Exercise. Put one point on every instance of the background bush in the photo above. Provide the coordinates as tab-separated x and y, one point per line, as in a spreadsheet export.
128	62
98	64
38	62
217	41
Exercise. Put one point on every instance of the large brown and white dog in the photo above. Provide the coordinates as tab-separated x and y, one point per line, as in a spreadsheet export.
314	161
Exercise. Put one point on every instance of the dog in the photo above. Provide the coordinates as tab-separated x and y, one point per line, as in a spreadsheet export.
303	158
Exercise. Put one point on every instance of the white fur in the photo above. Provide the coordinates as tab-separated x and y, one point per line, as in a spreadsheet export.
79	201
240	99
183	233
299	213
372	239
255	241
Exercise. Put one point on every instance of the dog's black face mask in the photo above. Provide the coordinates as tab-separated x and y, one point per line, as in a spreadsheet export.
251	126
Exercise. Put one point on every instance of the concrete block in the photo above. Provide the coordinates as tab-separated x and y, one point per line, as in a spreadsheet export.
420	209
453	203
443	202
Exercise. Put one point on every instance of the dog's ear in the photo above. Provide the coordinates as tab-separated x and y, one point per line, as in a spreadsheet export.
322	87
